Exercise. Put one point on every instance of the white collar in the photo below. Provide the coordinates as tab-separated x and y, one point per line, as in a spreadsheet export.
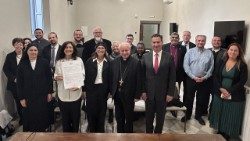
95	59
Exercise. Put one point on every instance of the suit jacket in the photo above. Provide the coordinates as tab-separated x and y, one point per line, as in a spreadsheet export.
89	48
237	89
191	45
218	56
131	84
46	54
41	43
10	70
91	73
133	49
157	86
180	73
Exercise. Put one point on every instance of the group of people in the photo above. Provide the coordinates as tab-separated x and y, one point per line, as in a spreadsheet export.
35	70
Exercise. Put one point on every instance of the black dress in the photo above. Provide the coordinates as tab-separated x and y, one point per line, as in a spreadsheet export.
34	86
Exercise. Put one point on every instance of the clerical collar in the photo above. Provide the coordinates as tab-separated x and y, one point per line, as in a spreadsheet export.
125	60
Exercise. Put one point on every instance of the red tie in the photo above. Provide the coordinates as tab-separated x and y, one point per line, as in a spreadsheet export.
156	66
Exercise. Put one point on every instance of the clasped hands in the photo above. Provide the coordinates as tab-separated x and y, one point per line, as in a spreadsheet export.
225	94
199	79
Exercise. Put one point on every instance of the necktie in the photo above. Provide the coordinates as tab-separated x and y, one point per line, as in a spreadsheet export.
52	59
156	66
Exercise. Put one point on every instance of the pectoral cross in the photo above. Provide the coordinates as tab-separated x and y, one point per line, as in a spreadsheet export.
120	83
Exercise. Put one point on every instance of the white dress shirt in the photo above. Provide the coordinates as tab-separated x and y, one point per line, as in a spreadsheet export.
185	45
159	58
98	79
55	53
18	58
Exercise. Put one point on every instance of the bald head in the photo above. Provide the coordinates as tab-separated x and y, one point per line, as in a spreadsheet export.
186	36
124	49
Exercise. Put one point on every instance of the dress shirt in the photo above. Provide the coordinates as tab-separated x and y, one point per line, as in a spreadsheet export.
174	53
98	79
18	58
55	53
159	58
67	95
185	45
199	63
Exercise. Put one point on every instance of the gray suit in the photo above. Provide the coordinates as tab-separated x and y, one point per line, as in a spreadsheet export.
157	86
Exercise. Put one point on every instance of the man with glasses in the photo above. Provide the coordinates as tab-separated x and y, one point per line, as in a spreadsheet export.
130	39
89	46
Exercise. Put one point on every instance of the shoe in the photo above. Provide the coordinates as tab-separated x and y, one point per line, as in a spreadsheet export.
201	121
20	122
183	119
174	113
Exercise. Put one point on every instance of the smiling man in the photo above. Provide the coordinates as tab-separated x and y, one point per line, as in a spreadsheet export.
158	83
198	64
125	87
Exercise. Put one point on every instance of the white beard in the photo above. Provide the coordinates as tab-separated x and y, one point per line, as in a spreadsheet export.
98	39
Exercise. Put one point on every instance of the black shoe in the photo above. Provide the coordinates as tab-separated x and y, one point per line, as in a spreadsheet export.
201	121
174	113
183	119
20	122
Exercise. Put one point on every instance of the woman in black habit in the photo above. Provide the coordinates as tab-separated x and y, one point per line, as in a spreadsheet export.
34	88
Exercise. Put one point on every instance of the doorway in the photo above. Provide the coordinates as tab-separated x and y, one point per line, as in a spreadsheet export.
147	29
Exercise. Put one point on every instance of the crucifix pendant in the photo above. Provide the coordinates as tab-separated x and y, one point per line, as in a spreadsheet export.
120	82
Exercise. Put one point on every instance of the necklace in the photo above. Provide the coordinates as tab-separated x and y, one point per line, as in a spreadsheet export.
122	74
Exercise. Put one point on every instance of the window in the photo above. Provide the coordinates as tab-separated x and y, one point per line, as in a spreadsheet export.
36	13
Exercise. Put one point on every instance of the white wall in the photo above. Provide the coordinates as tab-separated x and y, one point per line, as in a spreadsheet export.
15	22
117	18
62	19
198	16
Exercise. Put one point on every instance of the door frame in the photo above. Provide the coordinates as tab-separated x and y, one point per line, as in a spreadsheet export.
148	22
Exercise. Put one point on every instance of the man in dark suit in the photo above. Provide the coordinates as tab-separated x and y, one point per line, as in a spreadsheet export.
40	41
188	45
89	46
79	40
186	40
50	52
130	39
125	85
178	52
10	70
158	77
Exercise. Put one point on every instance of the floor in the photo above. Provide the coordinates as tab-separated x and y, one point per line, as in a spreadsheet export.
171	125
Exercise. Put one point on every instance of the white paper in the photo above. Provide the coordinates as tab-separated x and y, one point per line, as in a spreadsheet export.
139	106
5	118
72	74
